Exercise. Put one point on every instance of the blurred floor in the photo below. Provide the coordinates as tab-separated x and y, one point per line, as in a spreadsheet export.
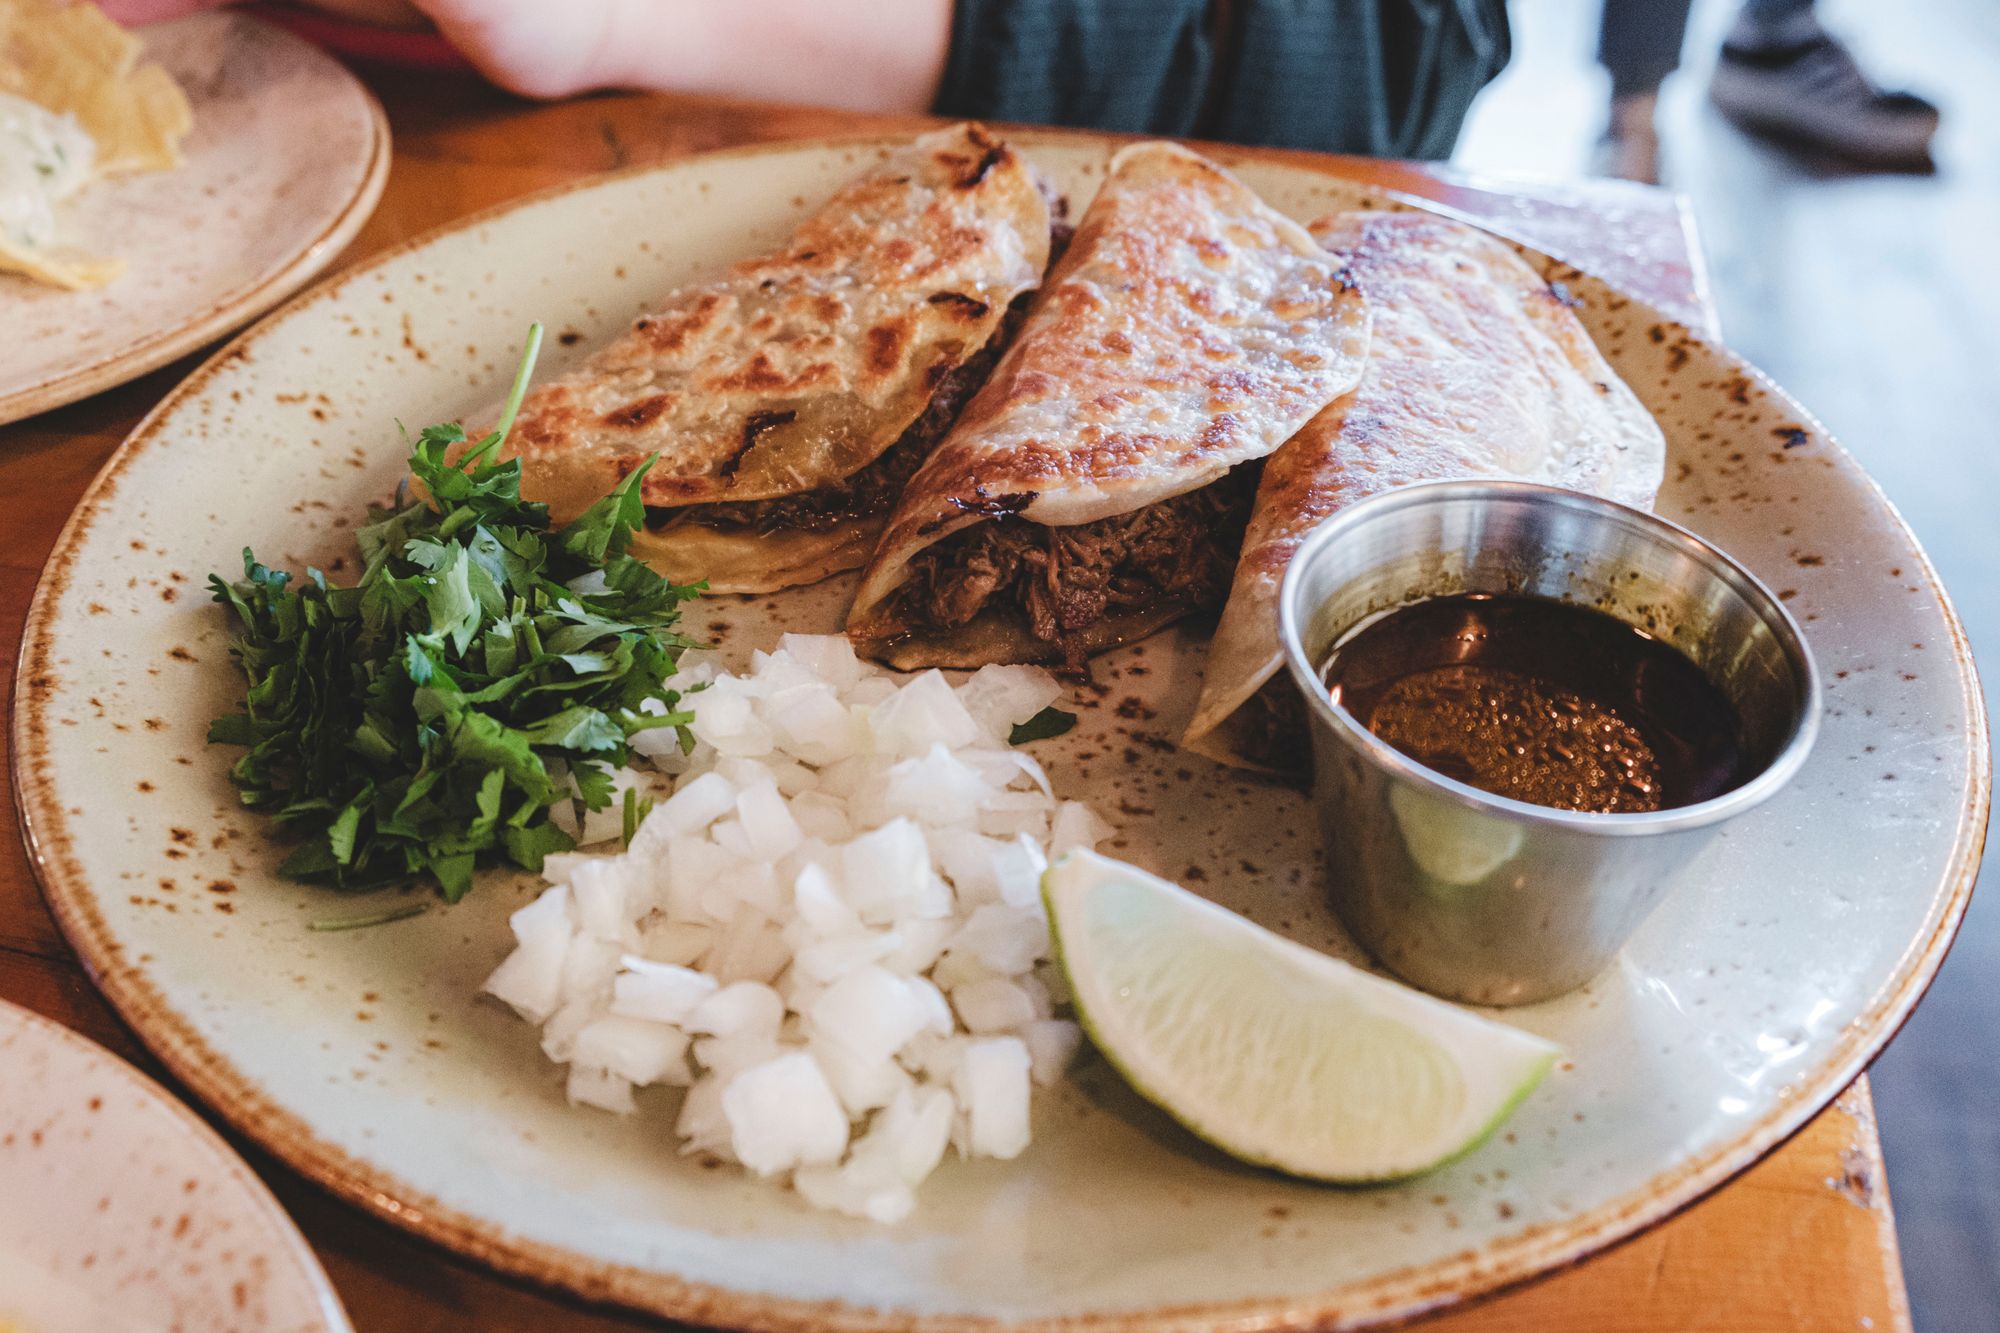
1875	299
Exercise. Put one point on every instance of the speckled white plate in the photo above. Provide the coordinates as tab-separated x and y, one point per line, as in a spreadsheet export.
285	162
1797	944
121	1212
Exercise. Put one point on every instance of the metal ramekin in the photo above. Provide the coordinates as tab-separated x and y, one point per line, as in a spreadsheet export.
1478	897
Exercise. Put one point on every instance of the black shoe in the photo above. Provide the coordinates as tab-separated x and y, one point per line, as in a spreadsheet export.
1813	93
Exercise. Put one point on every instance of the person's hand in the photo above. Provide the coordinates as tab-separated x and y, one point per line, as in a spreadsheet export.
538	48
878	55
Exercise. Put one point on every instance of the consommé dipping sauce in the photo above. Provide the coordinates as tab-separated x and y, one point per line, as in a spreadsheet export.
1542	701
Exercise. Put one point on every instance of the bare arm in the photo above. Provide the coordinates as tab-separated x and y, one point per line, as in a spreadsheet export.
866	55
382	13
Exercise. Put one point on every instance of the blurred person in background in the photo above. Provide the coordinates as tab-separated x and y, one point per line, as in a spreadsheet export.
1390	78
1779	74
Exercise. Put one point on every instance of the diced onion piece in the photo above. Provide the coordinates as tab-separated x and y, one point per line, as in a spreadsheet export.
783	1114
530	978
1001	697
830	657
1017	871
1006	939
701	1125
740	1009
696	803
767	822
600	1088
886	870
726	1057
925	712
813	724
637	1051
919	1123
861	1084
871	1012
1052	1045
599	889
993	1005
658	992
992	1086
937	789
1076	825
678	942
921	941
832	958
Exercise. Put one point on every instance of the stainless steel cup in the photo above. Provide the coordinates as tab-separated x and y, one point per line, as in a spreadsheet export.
1478	897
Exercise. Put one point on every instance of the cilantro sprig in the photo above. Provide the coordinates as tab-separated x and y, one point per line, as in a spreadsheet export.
1051	721
423	721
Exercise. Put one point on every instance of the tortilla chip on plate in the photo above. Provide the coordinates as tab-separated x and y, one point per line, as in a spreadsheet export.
72	61
65	268
70	58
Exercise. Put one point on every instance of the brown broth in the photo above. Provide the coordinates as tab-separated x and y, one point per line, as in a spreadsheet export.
1541	701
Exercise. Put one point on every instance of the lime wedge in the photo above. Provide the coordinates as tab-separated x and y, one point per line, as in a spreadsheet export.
1275	1053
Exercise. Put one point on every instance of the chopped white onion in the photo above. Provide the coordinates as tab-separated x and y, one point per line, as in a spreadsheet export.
992	1086
637	1051
993	1005
841	850
531	977
659	992
1052	1044
783	1114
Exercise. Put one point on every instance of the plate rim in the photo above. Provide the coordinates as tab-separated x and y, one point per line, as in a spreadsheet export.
238	1172
234	308
1385	1299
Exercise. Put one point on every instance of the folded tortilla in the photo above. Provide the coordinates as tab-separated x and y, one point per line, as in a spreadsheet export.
1086	497
1476	368
790	398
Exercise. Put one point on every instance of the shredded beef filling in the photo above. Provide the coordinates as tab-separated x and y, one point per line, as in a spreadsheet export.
1062	580
1274	726
875	488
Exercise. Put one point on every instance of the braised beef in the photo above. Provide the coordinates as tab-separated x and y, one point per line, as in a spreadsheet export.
1273	722
1062	580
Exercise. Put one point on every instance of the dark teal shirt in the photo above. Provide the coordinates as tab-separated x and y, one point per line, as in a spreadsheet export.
1390	78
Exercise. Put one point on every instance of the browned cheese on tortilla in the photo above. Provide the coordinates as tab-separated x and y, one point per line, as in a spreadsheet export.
1476	368
1188	329
795	370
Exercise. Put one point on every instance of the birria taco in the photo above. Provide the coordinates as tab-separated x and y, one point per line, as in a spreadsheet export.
791	397
1476	368
1095	490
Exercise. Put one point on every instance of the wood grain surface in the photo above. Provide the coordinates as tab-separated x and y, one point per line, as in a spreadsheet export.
1803	1242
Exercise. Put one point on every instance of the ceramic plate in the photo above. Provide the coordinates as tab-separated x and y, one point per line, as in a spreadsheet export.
1796	945
285	162
121	1212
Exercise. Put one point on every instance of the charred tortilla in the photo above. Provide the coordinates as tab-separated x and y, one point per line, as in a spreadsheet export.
1476	368
790	397
1086	497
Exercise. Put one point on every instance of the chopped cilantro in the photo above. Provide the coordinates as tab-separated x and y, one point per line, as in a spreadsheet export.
383	918
1051	721
405	726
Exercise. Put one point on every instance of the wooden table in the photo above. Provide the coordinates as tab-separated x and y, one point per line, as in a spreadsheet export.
1805	1241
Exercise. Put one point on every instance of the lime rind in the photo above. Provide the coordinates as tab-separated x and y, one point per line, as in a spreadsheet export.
1493	1066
